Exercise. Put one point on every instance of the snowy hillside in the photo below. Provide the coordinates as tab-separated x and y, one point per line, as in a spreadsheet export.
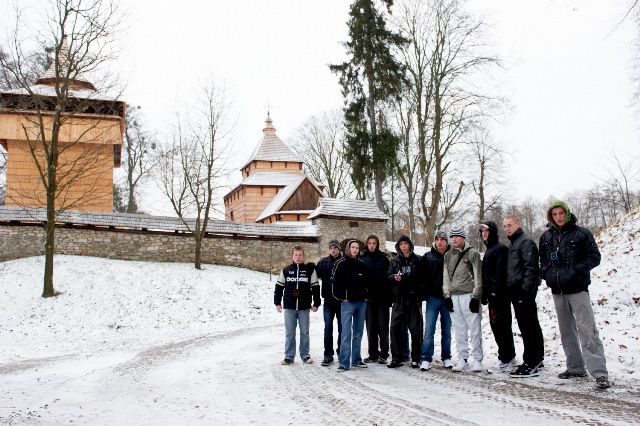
112	304
161	343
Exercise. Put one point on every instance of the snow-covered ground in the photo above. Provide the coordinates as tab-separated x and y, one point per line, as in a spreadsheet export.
162	343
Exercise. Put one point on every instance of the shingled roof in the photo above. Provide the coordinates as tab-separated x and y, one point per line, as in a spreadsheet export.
115	221
272	148
283	196
349	209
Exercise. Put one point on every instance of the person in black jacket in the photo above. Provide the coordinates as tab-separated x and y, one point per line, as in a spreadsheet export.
349	286
378	303
406	276
434	268
297	291
568	253
494	282
330	307
522	284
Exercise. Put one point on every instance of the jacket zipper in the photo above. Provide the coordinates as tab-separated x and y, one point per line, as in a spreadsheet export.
297	283
558	267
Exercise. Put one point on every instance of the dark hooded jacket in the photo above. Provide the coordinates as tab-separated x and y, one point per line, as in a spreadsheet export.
378	265
522	266
324	268
567	256
350	278
494	265
433	262
411	284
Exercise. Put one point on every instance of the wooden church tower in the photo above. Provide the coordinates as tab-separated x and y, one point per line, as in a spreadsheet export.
90	141
274	187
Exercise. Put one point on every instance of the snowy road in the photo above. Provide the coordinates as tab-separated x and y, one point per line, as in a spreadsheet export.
139	343
235	378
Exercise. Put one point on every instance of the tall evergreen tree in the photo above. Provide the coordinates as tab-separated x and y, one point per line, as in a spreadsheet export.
370	77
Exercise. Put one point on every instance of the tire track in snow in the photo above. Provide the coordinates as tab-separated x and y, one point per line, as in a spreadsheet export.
573	406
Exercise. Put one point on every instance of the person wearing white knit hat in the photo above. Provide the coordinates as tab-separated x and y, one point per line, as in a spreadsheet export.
462	290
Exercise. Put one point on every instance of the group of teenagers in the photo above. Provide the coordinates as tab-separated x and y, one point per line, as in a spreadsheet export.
363	286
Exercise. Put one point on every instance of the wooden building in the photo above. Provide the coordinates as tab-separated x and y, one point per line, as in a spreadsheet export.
274	186
90	142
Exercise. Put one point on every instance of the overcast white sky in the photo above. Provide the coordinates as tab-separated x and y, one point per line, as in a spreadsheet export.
567	74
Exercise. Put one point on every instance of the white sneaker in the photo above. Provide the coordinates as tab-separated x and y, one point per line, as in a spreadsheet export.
461	366
503	367
426	365
476	366
447	363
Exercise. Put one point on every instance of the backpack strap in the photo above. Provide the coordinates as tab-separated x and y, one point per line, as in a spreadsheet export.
456	265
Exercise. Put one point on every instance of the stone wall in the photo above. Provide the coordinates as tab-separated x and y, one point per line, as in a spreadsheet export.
342	229
253	253
258	253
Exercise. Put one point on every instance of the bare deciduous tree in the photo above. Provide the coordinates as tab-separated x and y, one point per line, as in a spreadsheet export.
191	168
487	158
443	54
407	160
80	35
137	161
319	143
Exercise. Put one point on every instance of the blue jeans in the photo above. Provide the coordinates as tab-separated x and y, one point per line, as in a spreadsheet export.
291	318
435	306
330	310
353	314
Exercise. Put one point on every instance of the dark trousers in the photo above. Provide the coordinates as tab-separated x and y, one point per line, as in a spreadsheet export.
378	329
527	316
500	321
406	313
331	310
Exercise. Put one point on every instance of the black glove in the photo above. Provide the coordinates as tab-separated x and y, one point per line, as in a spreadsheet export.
527	297
474	305
449	303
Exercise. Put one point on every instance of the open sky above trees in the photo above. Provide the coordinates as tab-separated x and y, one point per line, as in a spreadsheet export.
567	74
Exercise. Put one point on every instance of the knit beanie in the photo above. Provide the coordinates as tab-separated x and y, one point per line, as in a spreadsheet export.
459	232
440	234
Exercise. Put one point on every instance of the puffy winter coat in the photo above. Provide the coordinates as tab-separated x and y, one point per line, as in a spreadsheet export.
378	265
522	265
467	277
494	265
412	282
324	269
567	256
297	285
350	279
433	262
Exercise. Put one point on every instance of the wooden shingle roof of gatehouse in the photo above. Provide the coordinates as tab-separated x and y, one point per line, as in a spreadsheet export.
348	209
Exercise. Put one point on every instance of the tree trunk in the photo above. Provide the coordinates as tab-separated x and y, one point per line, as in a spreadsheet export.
132	206
50	228
49	246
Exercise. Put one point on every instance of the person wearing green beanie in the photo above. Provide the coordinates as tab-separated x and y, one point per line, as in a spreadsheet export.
568	253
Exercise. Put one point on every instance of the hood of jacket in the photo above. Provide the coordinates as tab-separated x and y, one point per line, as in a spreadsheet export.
401	239
347	250
377	250
493	233
564	206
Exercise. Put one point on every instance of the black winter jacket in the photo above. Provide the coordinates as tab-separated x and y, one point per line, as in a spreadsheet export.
378	265
567	257
522	265
433	269
411	286
494	266
350	279
296	286
324	268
